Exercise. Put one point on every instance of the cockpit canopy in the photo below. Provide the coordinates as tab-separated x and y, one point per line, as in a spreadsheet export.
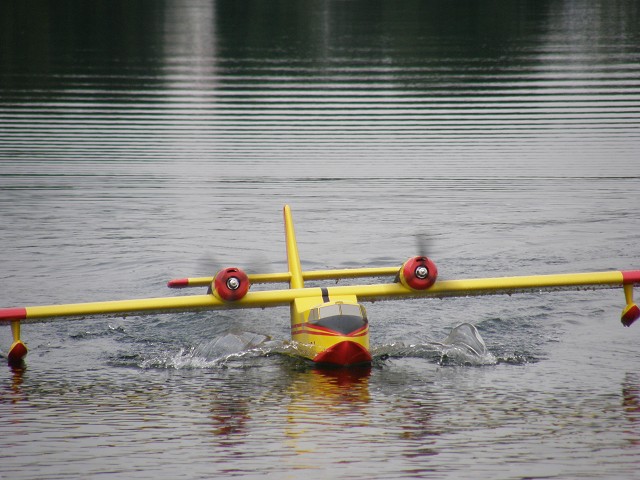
340	317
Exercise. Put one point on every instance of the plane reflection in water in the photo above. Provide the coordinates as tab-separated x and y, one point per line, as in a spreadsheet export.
308	399
338	405
321	404
326	403
631	405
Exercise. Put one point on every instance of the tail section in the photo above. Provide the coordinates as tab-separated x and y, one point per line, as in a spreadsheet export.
293	258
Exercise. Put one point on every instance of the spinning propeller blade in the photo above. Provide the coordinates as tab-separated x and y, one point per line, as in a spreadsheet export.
424	244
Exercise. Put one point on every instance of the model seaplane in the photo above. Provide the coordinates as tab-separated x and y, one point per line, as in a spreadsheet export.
329	324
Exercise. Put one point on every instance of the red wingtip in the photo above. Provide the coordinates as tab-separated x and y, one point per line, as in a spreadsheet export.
344	354
12	314
631	276
178	283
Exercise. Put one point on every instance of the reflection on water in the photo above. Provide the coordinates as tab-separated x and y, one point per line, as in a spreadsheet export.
323	401
495	86
13	392
137	138
631	405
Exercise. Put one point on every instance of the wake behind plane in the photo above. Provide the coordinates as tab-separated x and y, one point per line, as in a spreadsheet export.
329	324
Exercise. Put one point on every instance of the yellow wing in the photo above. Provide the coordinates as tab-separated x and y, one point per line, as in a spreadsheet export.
296	277
374	292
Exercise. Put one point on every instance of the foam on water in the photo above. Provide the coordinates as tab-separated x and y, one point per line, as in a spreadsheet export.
463	347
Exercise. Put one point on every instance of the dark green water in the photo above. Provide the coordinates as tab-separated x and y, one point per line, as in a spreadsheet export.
142	141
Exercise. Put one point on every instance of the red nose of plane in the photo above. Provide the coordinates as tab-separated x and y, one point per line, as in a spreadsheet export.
344	354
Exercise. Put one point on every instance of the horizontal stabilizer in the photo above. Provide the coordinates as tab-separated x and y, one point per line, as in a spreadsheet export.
285	277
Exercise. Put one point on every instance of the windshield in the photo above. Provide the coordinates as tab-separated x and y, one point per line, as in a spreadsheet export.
339	317
335	309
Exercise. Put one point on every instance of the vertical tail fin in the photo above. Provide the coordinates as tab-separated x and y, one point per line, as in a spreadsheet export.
293	258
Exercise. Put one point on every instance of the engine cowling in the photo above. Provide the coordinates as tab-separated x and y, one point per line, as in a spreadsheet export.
230	284
418	273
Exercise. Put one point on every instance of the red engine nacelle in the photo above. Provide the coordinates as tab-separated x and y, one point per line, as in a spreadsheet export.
418	273
230	284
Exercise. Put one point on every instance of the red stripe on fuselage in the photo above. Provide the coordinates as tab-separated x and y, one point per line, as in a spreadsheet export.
316	330
304	330
359	332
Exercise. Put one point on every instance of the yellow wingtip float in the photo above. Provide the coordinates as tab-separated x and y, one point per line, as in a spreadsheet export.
328	323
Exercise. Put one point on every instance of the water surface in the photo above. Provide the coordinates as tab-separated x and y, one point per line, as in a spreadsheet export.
151	140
